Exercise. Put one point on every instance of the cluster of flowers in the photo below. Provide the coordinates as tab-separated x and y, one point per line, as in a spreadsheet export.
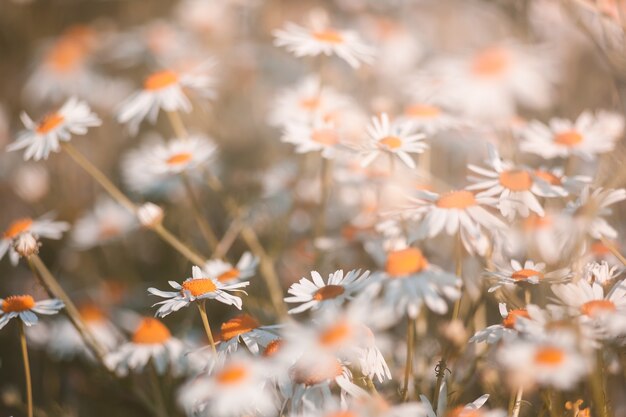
440	201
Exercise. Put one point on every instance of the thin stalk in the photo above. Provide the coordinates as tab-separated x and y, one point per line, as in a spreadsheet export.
598	391
326	182
205	227
174	242
228	239
517	405
408	370
29	385
205	322
611	247
160	409
177	124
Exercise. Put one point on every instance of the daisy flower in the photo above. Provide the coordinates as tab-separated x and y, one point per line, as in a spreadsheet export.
42	227
589	211
42	137
24	307
226	273
151	341
473	409
237	388
530	273
201	286
316	136
396	139
601	273
552	362
458	211
317	40
589	302
106	222
147	168
246	329
556	179
165	90
429	118
515	187
503	331
315	294
586	137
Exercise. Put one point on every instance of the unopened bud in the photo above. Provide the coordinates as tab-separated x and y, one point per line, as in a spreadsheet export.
150	215
26	245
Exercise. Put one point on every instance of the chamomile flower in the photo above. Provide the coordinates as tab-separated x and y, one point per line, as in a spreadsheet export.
555	179
473	409
151	341
589	210
146	168
586	137
234	389
503	331
201	286
166	90
227	273
106	222
552	362
42	137
44	227
302	41
601	273
24	307
245	328
530	273
396	139
316	136
315	293
429	118
458	211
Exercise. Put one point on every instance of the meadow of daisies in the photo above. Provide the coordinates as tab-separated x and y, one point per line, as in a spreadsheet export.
347	208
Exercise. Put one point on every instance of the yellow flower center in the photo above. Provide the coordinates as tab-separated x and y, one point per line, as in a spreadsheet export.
461	411
328	36
232	374
328	292
548	177
404	262
65	55
424	111
272	348
310	103
516	180
160	80
18	303
49	122
325	137
591	308
549	356
391	142
237	326
179	158
229	275
91	313
491	62
510	320
17	227
568	138
534	222
335	334
199	286
524	274
456	200
150	332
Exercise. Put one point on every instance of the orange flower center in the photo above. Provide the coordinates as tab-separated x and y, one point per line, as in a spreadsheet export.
18	303
404	262
549	356
17	227
535	221
591	308
49	122
568	138
548	177
150	332
238	325
334	335
391	142
325	137
91	313
524	274
229	275
328	292
461	411
424	111
491	62
516	180
313	376
231	375
65	56
510	320
600	248
341	414
456	200
179	158
328	36
160	80
272	348
199	286
310	103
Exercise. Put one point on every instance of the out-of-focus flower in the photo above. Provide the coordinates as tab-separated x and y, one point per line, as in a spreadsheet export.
530	273
302	41
42	227
429	118
149	215
106	222
229	274
590	135
245	328
313	136
589	210
201	286
468	410
504	331
43	137
26	245
31	182
601	273
24	307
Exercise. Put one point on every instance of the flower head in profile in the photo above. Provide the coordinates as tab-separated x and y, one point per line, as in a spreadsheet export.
321	39
26	309
247	330
44	227
42	137
505	330
107	222
398	139
315	136
201	286
166	90
226	273
530	273
589	210
315	293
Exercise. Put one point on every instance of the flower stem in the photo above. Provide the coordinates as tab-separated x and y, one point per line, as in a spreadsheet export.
517	405
177	124
611	247
160	409
205	322
326	182
408	370
29	387
598	388
205	228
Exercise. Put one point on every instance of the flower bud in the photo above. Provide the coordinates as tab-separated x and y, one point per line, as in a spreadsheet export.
26	245
150	215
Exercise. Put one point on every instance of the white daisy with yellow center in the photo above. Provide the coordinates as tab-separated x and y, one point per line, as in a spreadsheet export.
40	138
166	90
313	136
201	286
302	41
43	226
229	274
530	273
506	330
24	307
429	117
248	330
